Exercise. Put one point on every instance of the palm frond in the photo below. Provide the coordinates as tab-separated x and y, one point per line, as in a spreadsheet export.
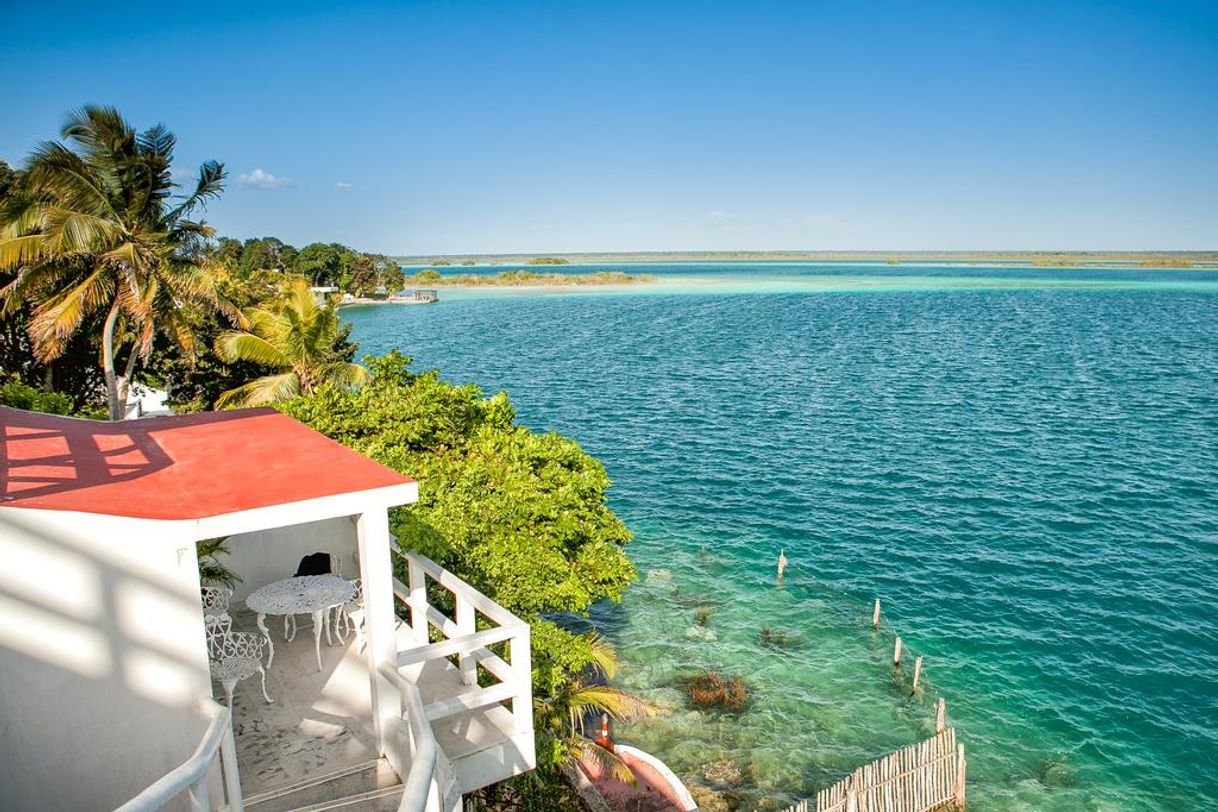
16	251
619	704
233	346
268	389
349	375
590	751
604	655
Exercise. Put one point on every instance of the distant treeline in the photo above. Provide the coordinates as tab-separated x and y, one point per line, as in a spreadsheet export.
433	278
323	264
1148	259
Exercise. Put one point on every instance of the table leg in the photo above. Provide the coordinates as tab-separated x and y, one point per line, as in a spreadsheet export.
329	639
317	620
267	634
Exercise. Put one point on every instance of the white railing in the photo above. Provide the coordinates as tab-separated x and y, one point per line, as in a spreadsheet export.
427	772
462	638
193	774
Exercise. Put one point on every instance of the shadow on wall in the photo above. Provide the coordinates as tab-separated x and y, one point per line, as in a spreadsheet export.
103	656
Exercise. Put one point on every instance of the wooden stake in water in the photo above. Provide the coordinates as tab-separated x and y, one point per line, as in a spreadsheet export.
782	563
960	767
896	653
917	672
940	714
875	615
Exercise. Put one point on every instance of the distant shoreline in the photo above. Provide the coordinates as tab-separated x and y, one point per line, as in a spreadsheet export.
1150	259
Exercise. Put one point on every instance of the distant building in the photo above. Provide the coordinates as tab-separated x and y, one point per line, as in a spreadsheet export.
416	296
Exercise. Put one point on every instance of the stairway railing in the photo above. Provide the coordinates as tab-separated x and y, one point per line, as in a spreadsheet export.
192	775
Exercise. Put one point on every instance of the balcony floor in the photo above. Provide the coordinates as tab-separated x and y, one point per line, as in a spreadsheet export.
319	723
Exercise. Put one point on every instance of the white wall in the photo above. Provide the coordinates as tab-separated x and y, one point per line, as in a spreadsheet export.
102	657
269	555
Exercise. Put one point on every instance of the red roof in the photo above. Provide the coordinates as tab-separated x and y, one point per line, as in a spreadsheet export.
175	467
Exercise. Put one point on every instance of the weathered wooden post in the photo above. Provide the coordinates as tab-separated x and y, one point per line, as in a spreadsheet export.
875	615
960	767
917	672
852	800
940	714
896	653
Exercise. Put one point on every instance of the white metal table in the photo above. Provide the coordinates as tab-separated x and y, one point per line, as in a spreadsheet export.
309	594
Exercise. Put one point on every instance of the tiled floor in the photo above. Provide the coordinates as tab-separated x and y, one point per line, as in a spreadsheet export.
320	722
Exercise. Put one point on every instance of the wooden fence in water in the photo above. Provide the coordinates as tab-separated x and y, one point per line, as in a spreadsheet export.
924	776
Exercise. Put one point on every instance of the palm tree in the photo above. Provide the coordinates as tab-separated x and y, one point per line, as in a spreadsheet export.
297	335
95	228
561	716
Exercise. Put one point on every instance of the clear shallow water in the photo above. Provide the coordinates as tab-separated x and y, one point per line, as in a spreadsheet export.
1023	463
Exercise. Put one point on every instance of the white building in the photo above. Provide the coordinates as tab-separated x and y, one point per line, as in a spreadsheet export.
107	697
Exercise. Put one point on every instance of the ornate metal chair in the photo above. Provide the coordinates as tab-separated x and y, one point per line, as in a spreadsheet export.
215	600
349	616
234	655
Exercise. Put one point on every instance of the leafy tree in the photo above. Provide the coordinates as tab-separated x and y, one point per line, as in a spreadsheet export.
319	262
519	515
227	253
264	253
8	177
18	395
390	274
361	269
93	231
296	335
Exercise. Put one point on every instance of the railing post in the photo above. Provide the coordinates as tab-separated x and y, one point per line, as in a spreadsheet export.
199	800
418	601
228	765
376	572
522	681
466	624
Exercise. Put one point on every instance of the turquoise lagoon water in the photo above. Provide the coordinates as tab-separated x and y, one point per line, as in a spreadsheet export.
1023	464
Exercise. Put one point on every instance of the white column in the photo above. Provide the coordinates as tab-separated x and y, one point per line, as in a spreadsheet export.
376	574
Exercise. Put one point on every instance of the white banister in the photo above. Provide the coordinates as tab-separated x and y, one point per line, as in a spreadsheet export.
192	775
432	781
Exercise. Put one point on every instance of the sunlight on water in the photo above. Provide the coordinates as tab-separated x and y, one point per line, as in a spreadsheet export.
1021	462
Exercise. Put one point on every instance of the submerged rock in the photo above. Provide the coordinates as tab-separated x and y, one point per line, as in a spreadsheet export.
708	800
723	772
658	576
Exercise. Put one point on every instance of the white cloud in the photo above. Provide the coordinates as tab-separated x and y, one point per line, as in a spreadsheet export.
342	184
259	179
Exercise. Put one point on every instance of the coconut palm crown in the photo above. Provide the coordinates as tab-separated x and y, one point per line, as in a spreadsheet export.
297	335
95	228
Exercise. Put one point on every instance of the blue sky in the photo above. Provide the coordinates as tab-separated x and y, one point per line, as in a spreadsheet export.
567	126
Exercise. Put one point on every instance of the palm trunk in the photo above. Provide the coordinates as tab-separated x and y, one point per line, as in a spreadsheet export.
116	409
124	391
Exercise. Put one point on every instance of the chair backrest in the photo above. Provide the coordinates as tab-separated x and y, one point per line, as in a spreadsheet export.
319	564
215	599
218	629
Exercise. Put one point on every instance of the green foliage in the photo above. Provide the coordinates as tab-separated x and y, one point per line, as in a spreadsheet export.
522	515
295	335
427	277
519	515
20	396
93	230
548	261
211	569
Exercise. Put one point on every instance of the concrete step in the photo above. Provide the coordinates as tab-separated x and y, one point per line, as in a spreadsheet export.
377	800
363	783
